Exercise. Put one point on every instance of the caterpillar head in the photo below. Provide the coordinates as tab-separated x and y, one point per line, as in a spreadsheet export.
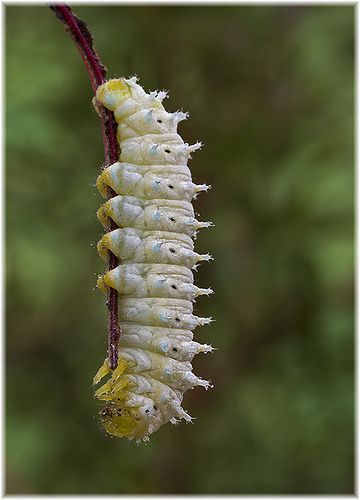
120	420
125	413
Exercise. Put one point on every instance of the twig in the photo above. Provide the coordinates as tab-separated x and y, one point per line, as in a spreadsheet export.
83	39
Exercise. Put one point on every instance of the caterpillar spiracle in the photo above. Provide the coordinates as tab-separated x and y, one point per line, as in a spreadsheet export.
156	223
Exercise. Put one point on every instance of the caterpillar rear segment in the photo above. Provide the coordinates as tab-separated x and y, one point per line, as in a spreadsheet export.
156	223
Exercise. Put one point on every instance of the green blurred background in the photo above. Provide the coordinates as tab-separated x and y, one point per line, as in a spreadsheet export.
270	91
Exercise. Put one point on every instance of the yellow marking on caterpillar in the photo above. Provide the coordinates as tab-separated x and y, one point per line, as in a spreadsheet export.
101	283
103	182
112	92
102	371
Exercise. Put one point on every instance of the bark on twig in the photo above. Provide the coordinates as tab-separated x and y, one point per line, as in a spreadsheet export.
83	39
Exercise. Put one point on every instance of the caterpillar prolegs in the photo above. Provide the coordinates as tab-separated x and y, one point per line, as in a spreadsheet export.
156	223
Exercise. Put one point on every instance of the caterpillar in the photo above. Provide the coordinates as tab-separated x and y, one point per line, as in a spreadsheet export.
154	243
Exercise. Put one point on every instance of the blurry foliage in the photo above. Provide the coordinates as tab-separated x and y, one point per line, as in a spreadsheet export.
270	91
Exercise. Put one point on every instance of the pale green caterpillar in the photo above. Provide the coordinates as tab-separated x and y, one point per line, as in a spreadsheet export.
156	223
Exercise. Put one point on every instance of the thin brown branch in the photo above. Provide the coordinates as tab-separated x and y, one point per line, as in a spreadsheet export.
83	39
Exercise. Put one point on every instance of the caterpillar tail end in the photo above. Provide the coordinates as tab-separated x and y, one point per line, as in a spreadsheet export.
112	92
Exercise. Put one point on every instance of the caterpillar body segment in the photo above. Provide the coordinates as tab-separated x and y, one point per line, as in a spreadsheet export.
158	182
154	149
147	333
156	223
170	346
156	215
168	313
154	280
139	246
